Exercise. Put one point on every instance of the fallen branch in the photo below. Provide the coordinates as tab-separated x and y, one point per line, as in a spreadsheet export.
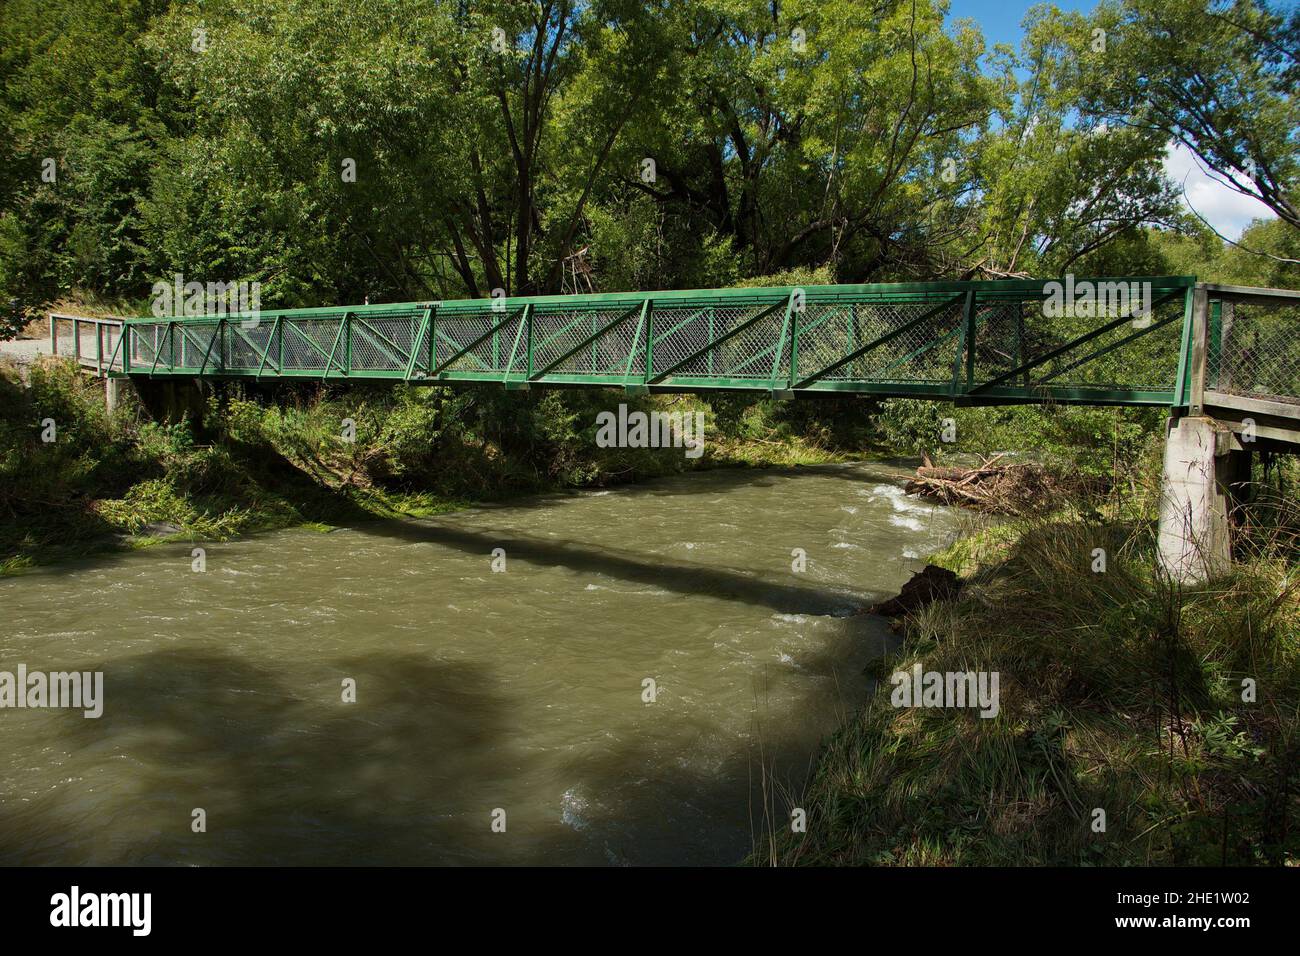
991	487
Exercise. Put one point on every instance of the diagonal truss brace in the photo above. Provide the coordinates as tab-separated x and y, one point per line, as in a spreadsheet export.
884	339
637	310
1062	349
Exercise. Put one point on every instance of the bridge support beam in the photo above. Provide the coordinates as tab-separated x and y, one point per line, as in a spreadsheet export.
1203	461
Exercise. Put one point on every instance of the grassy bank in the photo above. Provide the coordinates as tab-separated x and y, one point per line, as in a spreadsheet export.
256	461
1119	692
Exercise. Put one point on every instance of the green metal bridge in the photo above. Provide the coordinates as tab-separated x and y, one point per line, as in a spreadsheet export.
1172	342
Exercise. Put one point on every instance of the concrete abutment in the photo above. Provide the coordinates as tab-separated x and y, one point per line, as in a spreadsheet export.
1204	462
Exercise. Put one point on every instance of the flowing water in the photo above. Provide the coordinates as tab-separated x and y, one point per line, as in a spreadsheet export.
477	691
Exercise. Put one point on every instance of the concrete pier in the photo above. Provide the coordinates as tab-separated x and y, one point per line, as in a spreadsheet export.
114	390
1203	460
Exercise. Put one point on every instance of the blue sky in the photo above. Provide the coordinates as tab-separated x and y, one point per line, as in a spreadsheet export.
1000	19
1227	210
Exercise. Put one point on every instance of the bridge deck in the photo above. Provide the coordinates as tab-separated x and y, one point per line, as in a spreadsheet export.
977	342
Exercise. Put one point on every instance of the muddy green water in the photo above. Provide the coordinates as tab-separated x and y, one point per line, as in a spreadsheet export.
475	690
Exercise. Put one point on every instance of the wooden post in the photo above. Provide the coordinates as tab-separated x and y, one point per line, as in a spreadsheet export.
1200	341
54	334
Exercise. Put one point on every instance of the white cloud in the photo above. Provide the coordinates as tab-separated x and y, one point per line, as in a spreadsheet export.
1224	208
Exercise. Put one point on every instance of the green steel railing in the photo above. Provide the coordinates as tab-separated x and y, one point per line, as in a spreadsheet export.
977	342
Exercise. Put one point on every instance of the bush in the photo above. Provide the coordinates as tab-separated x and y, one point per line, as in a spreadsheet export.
1091	441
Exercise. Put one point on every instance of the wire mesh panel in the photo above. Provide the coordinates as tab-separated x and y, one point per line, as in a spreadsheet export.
598	342
382	341
758	347
247	344
1254	349
556	333
1109	344
1000	334
142	345
824	334
680	332
734	342
477	342
622	351
170	345
311	342
198	345
1137	349
914	342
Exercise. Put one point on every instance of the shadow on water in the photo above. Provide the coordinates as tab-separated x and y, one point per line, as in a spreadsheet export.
655	570
291	776
410	774
683	578
285	775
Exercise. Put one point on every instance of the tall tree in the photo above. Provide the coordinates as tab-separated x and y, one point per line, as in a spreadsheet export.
1056	186
813	132
1219	77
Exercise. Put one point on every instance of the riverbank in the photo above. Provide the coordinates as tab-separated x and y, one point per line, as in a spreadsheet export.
263	459
1138	723
322	457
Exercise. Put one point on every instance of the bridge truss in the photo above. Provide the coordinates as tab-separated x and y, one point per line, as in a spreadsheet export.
971	342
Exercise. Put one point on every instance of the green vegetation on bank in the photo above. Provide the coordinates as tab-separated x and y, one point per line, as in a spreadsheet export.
1119	692
261	461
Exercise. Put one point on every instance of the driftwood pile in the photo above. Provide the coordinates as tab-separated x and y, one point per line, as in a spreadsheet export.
998	489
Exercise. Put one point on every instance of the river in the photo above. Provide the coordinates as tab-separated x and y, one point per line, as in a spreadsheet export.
499	716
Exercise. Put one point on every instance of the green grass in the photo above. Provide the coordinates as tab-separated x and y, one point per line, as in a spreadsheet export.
1119	691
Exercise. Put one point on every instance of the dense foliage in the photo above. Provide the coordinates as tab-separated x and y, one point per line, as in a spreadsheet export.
618	144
